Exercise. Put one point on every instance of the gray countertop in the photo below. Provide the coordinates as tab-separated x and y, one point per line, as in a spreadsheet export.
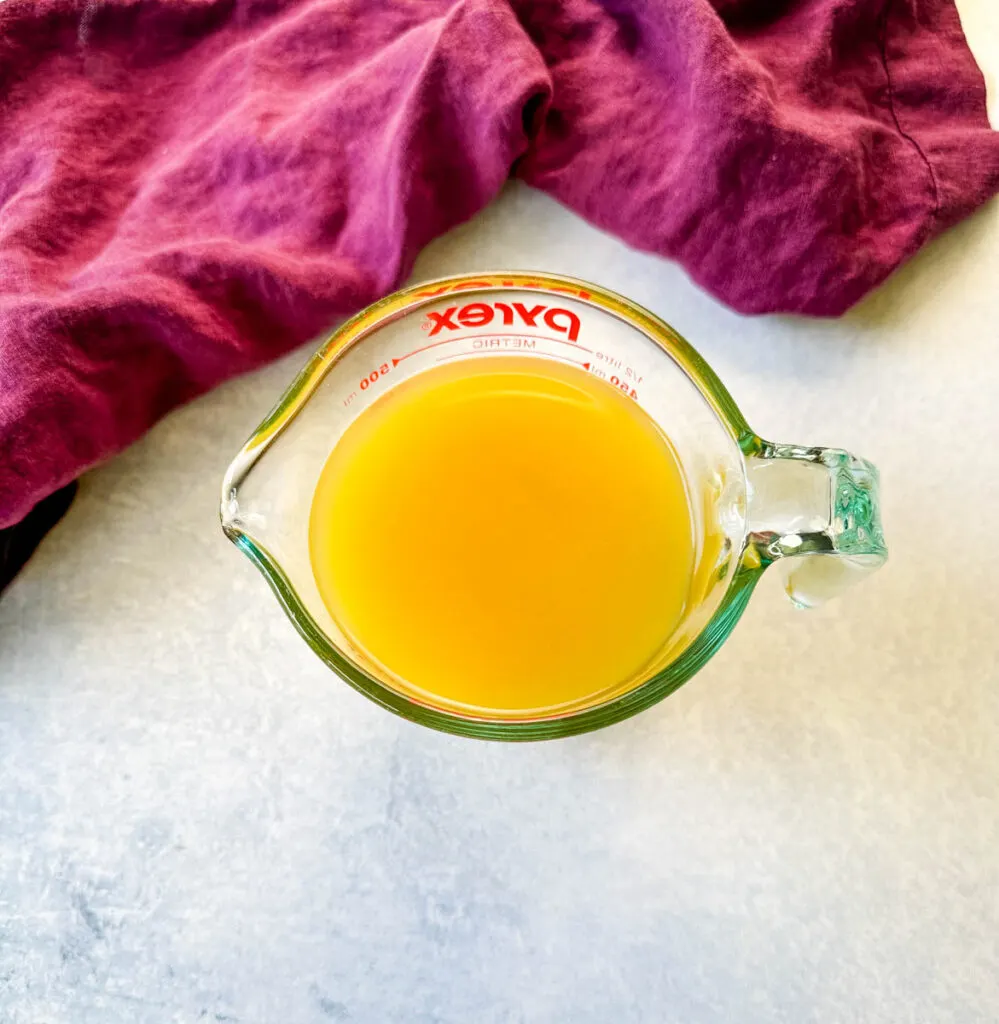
199	822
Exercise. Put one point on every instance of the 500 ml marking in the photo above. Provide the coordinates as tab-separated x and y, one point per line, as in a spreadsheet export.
374	376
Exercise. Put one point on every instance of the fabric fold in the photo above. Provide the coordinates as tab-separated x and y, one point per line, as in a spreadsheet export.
189	188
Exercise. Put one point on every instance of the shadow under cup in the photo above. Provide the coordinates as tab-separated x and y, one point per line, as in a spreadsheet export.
752	503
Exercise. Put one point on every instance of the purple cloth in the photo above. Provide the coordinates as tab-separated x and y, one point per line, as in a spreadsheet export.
190	187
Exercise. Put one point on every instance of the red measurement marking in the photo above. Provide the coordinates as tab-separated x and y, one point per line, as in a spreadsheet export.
458	355
451	341
423	348
624	386
374	376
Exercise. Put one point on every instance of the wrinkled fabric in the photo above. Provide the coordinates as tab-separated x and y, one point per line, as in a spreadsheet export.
191	187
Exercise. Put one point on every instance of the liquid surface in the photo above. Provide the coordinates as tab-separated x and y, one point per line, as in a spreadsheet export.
505	536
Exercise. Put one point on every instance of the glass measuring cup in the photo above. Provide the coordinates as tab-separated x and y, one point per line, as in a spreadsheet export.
813	511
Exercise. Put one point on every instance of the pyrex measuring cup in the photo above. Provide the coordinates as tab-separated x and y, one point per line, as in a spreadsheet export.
754	503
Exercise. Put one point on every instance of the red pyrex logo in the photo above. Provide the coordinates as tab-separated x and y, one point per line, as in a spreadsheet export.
481	314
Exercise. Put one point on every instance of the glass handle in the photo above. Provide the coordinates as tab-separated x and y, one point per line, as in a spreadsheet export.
816	512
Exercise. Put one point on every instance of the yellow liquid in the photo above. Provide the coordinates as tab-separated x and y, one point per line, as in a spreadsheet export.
505	536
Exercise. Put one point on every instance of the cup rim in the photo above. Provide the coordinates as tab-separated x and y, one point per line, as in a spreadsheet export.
401	303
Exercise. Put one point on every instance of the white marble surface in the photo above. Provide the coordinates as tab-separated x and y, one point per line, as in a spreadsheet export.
198	822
